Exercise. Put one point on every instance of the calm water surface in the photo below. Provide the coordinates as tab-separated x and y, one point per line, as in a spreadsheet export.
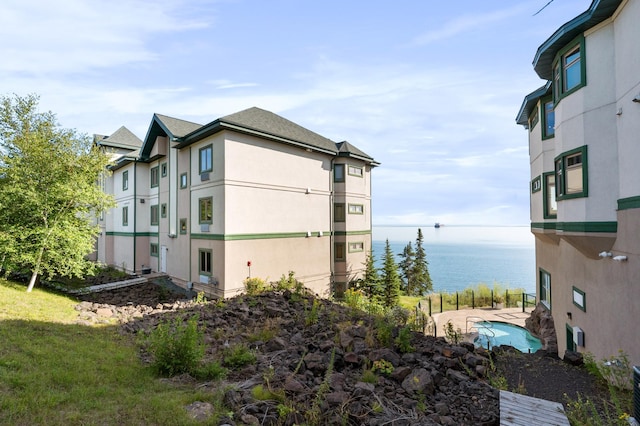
463	256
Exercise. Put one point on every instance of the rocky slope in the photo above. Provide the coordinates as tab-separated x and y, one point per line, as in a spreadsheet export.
323	363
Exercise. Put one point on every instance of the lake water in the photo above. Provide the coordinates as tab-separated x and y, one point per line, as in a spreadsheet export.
463	256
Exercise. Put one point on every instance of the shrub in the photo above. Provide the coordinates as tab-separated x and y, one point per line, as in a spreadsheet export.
290	283
237	356
403	341
253	286
177	346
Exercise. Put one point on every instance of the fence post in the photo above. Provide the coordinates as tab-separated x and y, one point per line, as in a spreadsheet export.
523	298
457	304
429	305
441	307
506	298
473	299
492	299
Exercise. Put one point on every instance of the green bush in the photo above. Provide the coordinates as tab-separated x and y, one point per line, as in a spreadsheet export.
177	346
238	356
403	341
253	286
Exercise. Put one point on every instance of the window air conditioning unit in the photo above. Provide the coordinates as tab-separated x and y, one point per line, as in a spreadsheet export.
204	176
578	336
141	200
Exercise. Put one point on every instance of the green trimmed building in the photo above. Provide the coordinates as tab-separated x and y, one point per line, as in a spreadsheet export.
584	145
251	194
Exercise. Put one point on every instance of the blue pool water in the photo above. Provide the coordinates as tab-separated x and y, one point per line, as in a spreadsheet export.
495	333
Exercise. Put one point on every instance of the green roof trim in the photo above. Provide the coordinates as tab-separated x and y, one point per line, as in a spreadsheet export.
586	227
599	11
629	203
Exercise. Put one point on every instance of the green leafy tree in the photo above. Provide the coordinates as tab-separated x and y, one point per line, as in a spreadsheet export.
406	266
390	279
421	279
50	192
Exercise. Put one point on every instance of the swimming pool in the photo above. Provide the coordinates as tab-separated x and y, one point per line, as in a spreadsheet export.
496	333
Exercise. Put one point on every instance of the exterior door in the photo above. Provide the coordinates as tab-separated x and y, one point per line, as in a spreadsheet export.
163	258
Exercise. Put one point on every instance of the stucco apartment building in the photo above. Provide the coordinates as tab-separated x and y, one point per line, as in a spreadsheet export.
249	194
584	145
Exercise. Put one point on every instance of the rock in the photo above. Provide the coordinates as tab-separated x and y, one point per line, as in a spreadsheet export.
418	381
200	411
573	358
104	312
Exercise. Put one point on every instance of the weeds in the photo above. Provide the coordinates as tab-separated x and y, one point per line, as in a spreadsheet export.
453	335
238	356
253	286
403	341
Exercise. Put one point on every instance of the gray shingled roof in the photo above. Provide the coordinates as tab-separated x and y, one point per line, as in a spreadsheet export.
267	122
177	127
345	148
121	138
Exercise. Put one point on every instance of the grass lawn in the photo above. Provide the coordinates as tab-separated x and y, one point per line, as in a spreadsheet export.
54	372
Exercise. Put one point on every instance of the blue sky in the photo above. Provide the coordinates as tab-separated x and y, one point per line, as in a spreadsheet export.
429	89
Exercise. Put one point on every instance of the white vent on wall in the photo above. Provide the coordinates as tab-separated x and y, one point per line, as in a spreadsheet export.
578	336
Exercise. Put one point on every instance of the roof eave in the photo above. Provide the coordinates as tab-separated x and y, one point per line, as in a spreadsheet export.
532	98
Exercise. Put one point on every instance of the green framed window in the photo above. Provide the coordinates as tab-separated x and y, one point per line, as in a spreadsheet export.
125	180
571	174
548	118
204	262
579	299
338	212
154	215
183	225
205	210
338	173
183	181
163	169
155	180
569	69
549	203
125	216
356	209
545	288
206	159
355	171
356	247
340	252
153	249
163	210
536	184
533	120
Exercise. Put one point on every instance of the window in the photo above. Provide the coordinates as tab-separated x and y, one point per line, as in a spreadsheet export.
163	169
545	288
338	212
355	171
183	226
549	119
356	247
579	299
206	158
536	185
569	70
356	209
154	215
206	210
549	203
183	180
153	250
125	216
163	210
154	177
338	173
571	174
204	263
533	120
125	180
339	254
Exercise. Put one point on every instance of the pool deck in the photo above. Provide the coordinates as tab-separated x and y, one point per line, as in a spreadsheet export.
463	318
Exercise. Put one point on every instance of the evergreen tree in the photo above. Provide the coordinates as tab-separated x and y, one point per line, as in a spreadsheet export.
390	279
370	283
49	192
406	268
421	278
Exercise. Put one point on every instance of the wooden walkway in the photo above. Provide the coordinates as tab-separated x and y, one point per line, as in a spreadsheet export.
522	410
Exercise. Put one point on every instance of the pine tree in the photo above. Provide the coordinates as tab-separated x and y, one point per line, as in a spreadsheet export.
406	266
420	274
370	283
390	279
